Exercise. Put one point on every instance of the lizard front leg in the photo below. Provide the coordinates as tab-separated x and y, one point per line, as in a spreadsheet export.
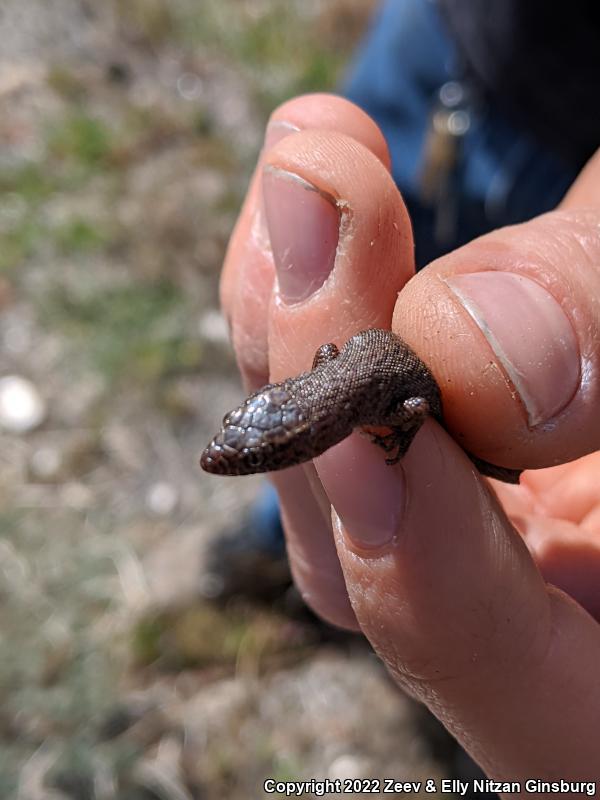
324	354
405	423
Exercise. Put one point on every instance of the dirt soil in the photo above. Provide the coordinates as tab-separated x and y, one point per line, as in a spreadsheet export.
129	129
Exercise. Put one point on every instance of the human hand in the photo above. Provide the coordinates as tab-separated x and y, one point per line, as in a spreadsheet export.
425	558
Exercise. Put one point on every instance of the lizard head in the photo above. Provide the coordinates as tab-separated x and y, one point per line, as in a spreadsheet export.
268	432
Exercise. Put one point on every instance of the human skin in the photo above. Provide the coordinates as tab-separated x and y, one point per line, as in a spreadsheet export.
446	573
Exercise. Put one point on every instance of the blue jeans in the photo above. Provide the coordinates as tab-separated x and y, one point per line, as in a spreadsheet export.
503	175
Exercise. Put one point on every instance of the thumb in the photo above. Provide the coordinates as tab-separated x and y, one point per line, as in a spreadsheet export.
509	325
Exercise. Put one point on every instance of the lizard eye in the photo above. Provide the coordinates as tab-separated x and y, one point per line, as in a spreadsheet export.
253	458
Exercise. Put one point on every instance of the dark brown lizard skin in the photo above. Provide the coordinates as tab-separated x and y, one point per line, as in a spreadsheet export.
374	380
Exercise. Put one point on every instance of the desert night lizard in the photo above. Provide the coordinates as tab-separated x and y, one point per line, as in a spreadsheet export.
375	381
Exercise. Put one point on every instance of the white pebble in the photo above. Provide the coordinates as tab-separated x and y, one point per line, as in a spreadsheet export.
190	86
213	327
161	498
348	767
21	406
46	463
77	495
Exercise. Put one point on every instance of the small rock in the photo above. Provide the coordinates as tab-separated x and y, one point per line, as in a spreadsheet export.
190	86
162	498
213	327
62	455
77	495
178	555
16	334
348	767
46	464
22	408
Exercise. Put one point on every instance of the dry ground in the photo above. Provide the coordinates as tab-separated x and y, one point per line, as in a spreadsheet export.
128	131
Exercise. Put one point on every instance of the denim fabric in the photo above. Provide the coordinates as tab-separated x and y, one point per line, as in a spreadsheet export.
504	175
265	523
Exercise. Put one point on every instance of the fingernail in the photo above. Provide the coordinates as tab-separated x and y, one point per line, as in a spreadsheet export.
367	495
530	335
276	131
303	225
